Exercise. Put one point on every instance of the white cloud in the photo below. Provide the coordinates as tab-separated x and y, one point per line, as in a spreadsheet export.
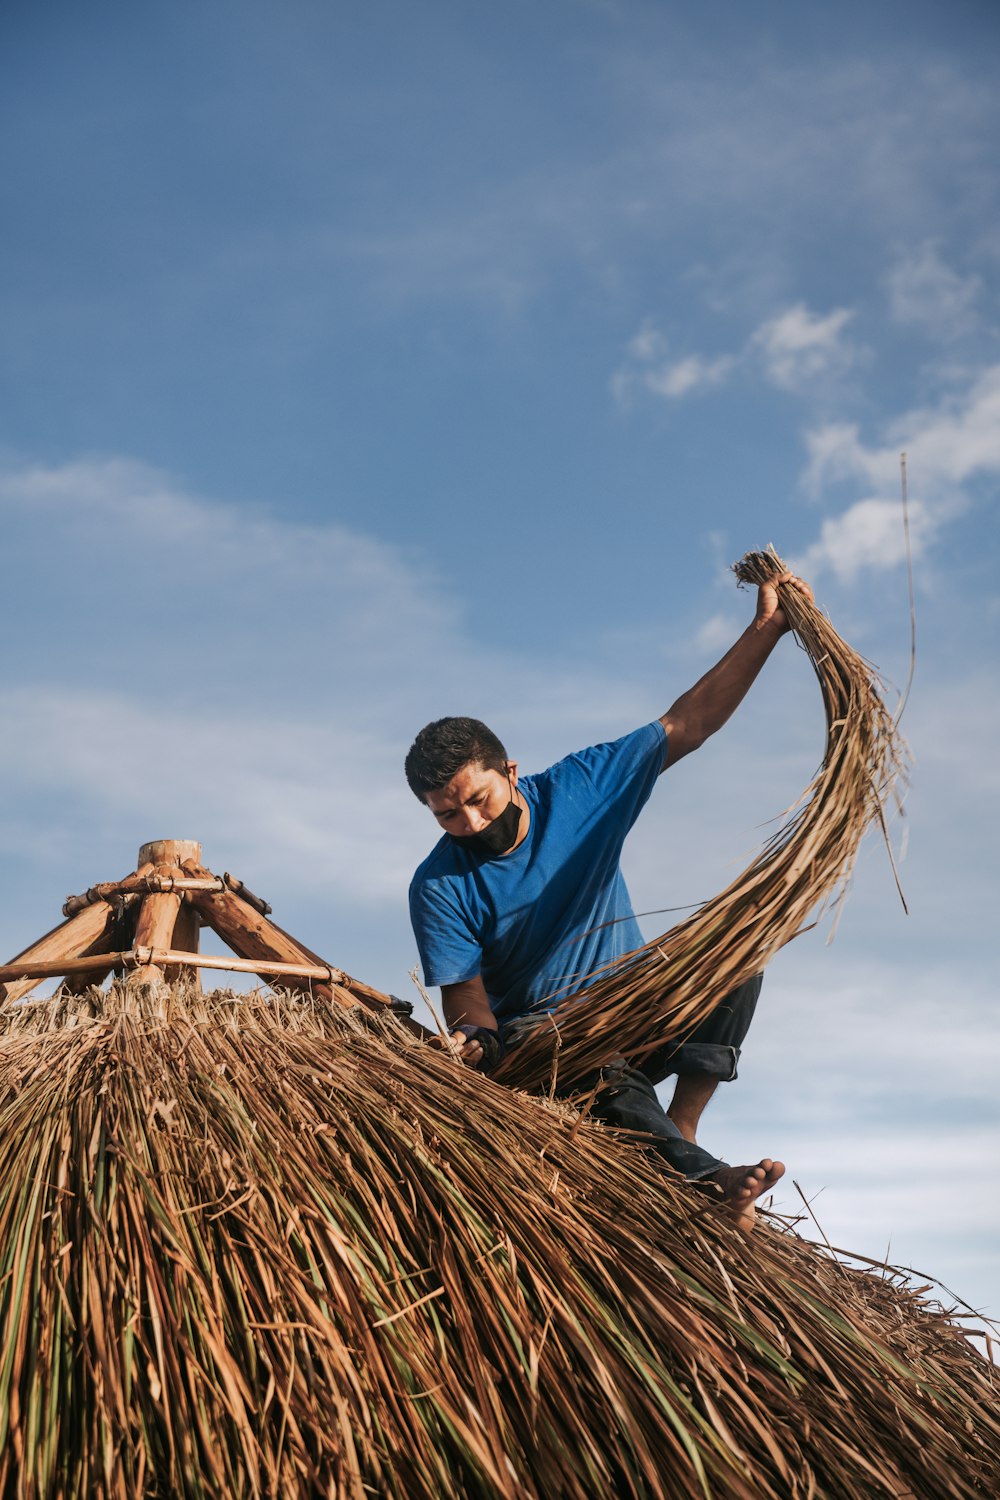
136	508
648	344
688	375
793	350
925	291
947	447
799	346
869	534
785	144
270	611
647	366
960	440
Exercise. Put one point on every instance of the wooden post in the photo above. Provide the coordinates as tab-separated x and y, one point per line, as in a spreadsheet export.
187	936
87	932
154	929
171	852
158	917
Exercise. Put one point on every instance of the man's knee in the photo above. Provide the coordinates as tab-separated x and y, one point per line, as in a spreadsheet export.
708	1060
713	1047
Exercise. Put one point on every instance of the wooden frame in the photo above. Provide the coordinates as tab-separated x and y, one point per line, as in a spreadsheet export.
147	927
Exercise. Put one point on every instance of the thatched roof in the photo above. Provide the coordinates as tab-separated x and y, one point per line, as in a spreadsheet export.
251	1245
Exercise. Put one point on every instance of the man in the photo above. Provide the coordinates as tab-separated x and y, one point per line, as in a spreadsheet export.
523	899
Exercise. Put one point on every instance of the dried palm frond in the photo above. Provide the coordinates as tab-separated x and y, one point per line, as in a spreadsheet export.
256	1246
664	989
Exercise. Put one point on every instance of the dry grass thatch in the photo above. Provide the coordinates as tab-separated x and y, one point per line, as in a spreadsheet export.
666	988
253	1246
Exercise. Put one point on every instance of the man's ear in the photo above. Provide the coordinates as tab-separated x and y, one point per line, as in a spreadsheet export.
511	769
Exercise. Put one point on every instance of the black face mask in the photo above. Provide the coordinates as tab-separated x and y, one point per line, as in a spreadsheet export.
497	837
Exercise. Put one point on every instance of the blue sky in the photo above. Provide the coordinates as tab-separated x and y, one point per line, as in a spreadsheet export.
366	363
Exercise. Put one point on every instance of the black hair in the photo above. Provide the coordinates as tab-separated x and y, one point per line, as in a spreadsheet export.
444	746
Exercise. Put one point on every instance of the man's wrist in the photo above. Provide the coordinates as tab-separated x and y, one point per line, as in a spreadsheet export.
491	1042
768	626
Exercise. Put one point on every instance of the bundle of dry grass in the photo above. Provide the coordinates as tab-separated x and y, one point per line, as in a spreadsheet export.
253	1246
666	988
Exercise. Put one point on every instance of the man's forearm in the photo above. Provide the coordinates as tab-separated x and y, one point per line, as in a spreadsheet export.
704	708
467	1003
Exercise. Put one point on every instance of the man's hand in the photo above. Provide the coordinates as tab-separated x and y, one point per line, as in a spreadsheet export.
466	1004
769	611
467	1049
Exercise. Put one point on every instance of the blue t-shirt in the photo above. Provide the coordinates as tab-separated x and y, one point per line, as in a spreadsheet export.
538	921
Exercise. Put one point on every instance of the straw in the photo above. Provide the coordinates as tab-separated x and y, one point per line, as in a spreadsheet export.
252	1245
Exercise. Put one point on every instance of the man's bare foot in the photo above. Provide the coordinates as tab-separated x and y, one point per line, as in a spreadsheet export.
742	1186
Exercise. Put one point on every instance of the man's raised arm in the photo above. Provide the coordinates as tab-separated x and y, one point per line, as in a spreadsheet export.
704	708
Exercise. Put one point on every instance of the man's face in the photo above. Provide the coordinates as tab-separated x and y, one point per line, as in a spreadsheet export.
472	798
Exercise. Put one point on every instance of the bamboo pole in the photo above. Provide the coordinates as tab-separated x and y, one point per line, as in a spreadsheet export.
168	956
319	979
138	884
146	881
230	883
80	935
142	957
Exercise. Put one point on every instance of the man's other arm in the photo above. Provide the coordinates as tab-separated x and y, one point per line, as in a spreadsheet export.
703	709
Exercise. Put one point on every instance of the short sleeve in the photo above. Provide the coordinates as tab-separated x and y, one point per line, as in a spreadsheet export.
449	952
624	772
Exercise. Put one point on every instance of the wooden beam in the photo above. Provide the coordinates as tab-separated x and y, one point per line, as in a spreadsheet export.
80	935
170	894
119	936
39	969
